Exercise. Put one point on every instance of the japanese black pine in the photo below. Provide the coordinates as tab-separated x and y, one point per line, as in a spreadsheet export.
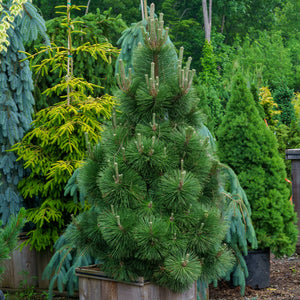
153	182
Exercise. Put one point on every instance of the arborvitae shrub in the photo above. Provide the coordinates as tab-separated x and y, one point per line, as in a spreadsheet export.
250	148
209	74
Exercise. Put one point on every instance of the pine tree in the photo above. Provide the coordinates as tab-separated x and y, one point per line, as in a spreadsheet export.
152	180
250	148
16	103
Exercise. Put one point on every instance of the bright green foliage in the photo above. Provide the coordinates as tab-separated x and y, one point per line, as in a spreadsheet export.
16	104
154	184
270	107
91	29
210	105
256	96
283	96
250	148
9	236
296	103
288	22
56	145
288	18
237	17
209	74
127	8
265	61
210	102
52	150
186	27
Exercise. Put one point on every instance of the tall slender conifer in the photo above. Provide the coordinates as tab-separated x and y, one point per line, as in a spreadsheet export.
250	148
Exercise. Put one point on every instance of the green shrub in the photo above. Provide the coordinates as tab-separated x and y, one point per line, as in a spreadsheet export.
56	145
247	145
283	96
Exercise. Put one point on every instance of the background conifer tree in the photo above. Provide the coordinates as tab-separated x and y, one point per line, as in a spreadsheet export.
91	28
56	145
250	148
153	182
283	96
16	103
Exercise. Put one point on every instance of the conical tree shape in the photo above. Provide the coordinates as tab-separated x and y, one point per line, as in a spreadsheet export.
250	148
152	179
16	102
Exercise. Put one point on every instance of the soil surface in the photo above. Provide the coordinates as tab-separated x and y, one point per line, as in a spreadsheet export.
284	283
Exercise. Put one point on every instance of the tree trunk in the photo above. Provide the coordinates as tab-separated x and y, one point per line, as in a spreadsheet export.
223	24
207	15
87	7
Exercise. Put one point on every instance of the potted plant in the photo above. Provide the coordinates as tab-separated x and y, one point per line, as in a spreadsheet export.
250	148
153	182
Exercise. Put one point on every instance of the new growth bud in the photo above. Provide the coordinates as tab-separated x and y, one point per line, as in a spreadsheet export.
152	146
139	143
181	180
118	176
186	260
156	36
123	81
154	125
185	76
153	82
172	217
119	223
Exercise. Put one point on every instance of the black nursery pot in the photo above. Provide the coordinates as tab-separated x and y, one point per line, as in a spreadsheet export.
258	263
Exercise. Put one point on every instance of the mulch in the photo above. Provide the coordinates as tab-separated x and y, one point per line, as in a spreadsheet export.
284	283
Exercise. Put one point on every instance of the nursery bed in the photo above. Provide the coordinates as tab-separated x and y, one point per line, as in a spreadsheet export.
285	284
